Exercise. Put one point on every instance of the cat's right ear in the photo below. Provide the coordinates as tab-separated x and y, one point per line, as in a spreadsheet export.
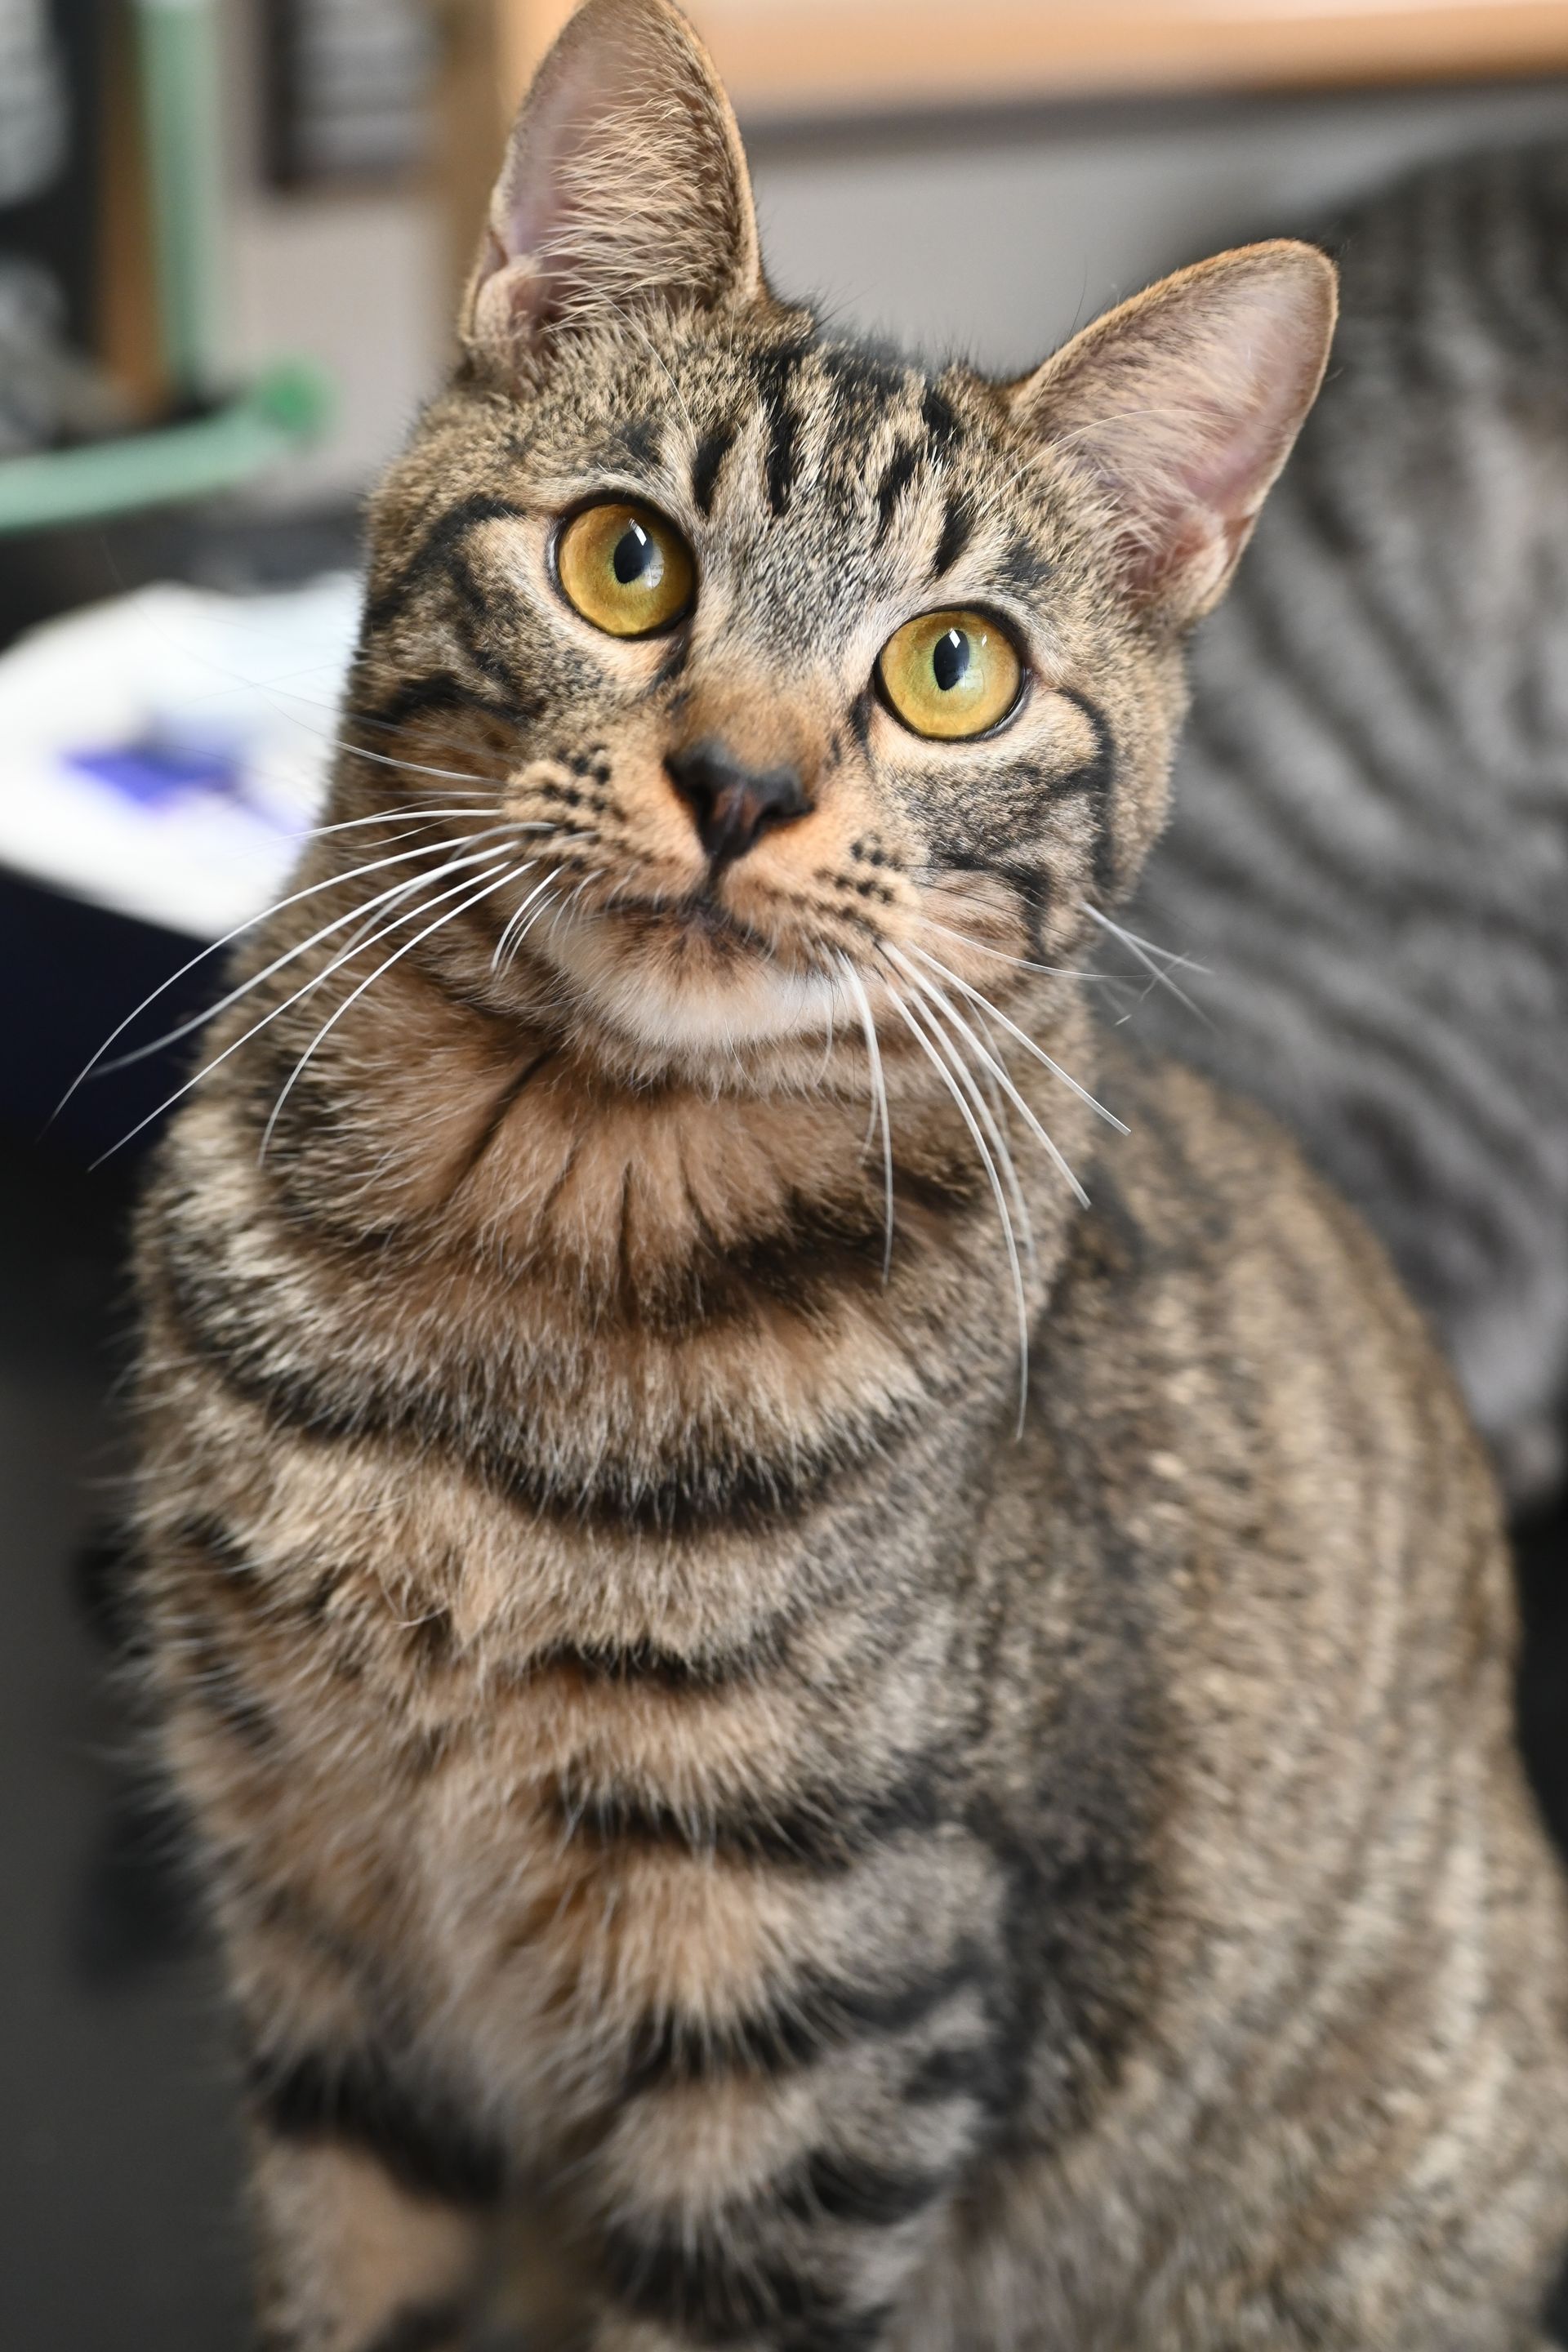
1181	407
625	187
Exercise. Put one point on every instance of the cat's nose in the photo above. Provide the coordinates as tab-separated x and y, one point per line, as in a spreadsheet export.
733	805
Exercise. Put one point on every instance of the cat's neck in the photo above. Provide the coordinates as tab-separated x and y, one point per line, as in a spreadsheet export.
657	1299
515	1141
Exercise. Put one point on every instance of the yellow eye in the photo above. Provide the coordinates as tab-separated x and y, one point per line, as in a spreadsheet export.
625	569
950	674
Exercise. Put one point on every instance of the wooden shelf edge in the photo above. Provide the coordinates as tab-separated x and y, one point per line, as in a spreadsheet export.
806	61
871	56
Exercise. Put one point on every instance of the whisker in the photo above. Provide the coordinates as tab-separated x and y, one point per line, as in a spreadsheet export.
827	1042
346	713
879	1092
332	881
441	739
416	814
336	740
415	767
595	874
1025	1040
492	883
1022	963
918	1033
364	908
276	689
988	1068
1145	952
516	918
999	1071
1173	957
939	878
267	1018
548	907
986	1113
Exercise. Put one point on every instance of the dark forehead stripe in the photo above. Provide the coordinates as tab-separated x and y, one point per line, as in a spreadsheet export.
711	452
941	420
868	380
639	441
782	454
1025	567
957	531
775	373
900	472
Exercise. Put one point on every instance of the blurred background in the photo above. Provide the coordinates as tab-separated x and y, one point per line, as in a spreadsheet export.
231	237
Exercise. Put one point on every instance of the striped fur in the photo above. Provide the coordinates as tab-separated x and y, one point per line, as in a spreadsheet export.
1370	844
721	1835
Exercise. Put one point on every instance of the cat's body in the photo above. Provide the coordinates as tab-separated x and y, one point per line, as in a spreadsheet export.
1370	838
708	1816
1041	1859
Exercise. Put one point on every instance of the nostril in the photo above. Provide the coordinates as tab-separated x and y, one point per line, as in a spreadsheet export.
697	776
733	805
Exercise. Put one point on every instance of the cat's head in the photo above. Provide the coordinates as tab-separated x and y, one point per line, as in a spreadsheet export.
807	669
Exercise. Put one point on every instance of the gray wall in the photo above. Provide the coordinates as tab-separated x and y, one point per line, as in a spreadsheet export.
996	239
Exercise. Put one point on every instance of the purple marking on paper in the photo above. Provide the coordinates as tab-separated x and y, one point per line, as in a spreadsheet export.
152	773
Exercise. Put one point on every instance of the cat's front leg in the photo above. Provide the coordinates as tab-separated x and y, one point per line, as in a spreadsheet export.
375	2199
352	2261
781	2214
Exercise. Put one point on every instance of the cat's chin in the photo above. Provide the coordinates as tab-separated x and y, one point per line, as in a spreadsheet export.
685	988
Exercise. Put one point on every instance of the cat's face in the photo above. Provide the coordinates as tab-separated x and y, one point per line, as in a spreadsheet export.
812	661
806	670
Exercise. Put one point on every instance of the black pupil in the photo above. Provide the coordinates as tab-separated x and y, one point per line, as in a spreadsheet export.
949	660
634	554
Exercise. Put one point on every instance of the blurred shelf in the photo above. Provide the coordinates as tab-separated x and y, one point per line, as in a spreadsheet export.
803	58
791	62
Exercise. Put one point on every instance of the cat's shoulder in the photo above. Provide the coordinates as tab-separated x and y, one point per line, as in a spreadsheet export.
1207	1189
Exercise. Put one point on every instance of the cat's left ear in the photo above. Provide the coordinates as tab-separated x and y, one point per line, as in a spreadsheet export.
1182	406
624	186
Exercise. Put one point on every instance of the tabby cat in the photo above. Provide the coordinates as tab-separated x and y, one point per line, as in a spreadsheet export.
1370	846
805	1736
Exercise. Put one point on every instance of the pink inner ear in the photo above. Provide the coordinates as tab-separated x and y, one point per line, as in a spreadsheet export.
1187	407
1253	382
623	184
531	203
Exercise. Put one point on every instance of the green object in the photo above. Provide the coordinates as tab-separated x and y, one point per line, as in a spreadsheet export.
289	405
177	55
182	98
